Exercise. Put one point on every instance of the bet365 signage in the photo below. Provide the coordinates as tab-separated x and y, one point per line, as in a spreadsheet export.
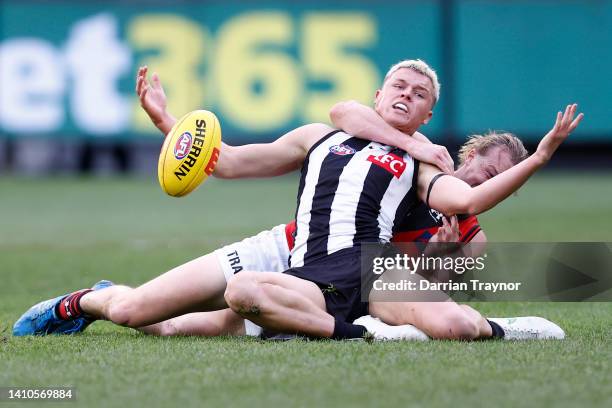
259	70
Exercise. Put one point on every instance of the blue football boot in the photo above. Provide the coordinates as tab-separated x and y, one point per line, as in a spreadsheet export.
41	319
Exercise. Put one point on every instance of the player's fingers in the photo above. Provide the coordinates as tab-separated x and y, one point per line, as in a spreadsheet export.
443	164
142	71
449	165
558	120
455	223
156	81
139	84
143	83
445	221
142	94
450	233
562	122
576	122
566	116
570	116
456	230
138	79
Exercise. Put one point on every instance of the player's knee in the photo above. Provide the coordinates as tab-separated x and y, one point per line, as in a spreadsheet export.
386	312
455	325
240	292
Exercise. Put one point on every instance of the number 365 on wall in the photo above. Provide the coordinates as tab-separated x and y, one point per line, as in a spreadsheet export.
261	70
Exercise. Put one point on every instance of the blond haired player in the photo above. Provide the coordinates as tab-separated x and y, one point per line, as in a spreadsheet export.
326	250
405	102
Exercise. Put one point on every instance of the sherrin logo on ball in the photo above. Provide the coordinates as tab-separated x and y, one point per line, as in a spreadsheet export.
189	153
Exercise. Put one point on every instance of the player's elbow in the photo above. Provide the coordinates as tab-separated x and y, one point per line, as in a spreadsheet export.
464	204
457	205
339	112
471	208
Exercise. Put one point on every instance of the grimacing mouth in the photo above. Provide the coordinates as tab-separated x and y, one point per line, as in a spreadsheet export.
401	106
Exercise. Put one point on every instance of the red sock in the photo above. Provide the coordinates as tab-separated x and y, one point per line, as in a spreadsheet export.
69	308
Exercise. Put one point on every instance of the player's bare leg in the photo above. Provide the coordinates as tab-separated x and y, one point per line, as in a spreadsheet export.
280	302
435	313
439	320
195	286
218	323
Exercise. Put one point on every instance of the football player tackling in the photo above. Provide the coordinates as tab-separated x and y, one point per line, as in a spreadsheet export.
293	301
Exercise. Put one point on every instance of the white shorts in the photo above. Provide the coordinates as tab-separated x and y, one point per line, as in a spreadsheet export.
265	252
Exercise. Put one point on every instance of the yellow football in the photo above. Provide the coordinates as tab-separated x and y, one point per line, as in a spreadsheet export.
189	153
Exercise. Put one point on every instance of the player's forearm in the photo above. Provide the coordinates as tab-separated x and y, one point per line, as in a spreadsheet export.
224	167
495	190
252	161
362	121
238	162
282	156
165	123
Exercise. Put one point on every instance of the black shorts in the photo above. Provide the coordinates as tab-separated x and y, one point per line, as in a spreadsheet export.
339	276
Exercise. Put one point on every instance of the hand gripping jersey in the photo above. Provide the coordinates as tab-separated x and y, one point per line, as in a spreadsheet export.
351	191
423	222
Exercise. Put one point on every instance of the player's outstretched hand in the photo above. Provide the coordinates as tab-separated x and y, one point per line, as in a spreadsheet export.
434	154
152	96
564	125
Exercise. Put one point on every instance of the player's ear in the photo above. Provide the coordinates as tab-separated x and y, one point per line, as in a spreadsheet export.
428	118
471	154
377	96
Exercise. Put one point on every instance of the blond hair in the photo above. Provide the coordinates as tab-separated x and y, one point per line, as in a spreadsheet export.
482	143
422	68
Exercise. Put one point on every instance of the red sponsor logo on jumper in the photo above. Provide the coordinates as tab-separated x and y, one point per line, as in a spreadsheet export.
390	162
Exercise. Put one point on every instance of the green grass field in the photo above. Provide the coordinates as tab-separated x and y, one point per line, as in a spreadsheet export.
58	235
